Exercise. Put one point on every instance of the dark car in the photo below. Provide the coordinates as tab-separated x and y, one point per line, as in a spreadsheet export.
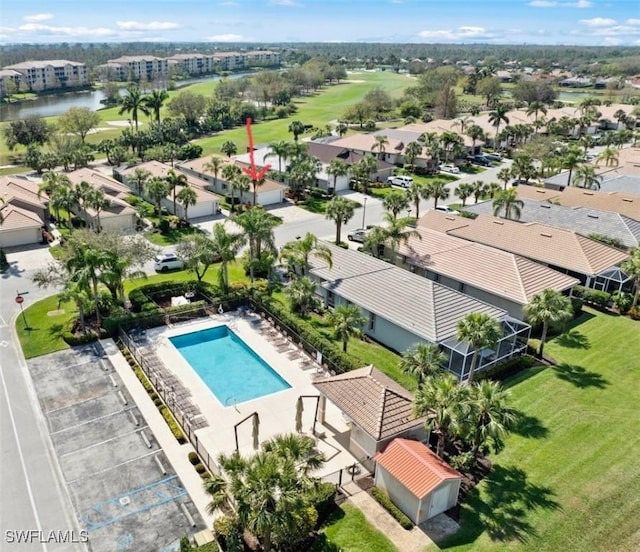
481	160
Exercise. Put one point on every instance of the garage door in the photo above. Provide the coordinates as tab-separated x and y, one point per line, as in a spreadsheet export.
439	501
202	209
22	236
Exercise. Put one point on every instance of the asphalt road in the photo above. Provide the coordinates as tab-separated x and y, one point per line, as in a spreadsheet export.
33	497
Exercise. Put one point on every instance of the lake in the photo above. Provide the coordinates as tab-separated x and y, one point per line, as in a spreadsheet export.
57	104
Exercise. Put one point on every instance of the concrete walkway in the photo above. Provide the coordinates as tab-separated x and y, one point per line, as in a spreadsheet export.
405	541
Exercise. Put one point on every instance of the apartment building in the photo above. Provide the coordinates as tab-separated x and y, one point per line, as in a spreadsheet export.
135	68
37	76
194	64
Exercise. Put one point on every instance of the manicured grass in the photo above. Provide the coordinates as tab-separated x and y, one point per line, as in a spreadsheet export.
348	530
44	332
568	479
172	236
319	204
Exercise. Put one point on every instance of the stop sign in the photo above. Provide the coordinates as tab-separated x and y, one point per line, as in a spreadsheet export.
19	299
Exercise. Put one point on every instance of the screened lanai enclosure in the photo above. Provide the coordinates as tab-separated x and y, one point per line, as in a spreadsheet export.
513	343
610	280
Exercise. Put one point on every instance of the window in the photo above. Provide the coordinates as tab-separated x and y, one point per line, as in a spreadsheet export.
372	321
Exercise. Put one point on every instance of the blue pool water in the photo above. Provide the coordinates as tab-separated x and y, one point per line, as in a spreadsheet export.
229	367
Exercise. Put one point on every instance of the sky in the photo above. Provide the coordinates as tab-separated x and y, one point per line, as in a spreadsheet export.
579	22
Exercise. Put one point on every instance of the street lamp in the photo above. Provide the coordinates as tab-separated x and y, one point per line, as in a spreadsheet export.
364	212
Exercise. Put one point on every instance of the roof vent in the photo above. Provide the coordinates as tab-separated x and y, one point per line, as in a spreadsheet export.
545	205
588	193
498	222
592	215
628	200
545	235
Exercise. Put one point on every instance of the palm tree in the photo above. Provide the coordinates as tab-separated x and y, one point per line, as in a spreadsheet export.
347	322
438	191
336	169
397	231
464	191
493	188
231	173
535	108
298	252
442	401
586	177
97	201
229	148
479	189
242	183
475	132
417	192
342	128
340	210
257	231
72	291
187	198
302	295
225	246
140	177
422	360
479	331
213	166
157	189
154	102
380	144
82	193
132	102
52	182
395	202
497	117
411	152
504	175
492	415
522	167
620	115
549	307
572	159
463	123
609	155
366	168
374	241
174	180
507	201
631	268
83	267
279	149
297	128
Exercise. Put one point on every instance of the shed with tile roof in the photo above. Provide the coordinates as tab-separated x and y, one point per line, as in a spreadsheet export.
417	481
377	409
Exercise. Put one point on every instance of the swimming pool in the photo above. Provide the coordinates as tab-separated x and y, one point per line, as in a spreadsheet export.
227	365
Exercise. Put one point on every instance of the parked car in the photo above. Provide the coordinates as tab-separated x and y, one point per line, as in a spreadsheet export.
450	168
358	235
493	156
402	181
168	261
447	209
481	160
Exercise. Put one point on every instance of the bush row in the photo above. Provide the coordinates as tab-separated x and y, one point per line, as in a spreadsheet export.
339	361
592	296
390	507
173	425
507	369
140	298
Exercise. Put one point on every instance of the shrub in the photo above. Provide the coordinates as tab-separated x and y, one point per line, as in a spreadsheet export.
173	425
164	225
462	462
508	368
157	402
200	468
576	306
153	395
593	297
189	151
634	313
390	507
194	458
323	499
622	301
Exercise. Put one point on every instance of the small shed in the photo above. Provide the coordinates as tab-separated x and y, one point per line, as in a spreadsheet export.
417	480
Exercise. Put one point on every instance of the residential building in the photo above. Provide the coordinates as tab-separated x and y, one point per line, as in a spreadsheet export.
207	203
596	265
402	309
194	64
134	68
583	220
377	410
416	479
24	212
37	76
9	76
497	277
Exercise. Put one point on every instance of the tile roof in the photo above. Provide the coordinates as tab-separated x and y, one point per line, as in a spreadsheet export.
583	220
15	218
366	142
22	189
425	308
415	466
372	400
499	272
110	186
546	244
328	152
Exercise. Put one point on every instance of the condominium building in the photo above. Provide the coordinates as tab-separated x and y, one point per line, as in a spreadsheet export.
45	75
194	64
135	68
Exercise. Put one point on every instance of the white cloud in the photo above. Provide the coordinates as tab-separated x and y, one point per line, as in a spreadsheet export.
227	38
37	17
65	31
464	32
632	22
581	4
151	26
611	41
598	22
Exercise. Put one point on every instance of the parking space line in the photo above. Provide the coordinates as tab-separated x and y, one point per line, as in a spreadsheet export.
125	410
117	466
47	412
137	430
3	322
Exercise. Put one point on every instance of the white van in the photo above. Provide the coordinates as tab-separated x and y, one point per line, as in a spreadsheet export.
402	181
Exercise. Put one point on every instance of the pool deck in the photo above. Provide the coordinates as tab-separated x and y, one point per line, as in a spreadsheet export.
276	412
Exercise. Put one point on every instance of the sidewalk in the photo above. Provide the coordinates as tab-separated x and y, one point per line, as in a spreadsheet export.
405	541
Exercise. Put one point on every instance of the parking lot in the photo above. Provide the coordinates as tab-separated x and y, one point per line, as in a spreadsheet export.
123	489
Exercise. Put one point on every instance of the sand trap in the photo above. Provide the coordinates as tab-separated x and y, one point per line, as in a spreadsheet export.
123	123
354	81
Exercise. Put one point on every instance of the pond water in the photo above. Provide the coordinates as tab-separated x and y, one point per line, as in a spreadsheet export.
57	104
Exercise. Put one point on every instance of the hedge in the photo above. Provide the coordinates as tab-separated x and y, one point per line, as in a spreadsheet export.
173	425
323	498
390	507
592	296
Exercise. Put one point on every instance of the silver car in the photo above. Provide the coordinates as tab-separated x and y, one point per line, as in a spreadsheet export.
358	235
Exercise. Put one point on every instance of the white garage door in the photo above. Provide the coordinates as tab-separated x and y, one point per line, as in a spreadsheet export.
269	198
439	501
23	236
202	209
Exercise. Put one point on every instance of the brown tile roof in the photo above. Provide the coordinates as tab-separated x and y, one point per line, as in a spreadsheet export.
375	402
442	222
328	152
15	218
22	189
499	272
540	242
365	142
110	186
415	466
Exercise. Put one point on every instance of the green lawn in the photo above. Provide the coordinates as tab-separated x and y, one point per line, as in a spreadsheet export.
347	530
569	479
172	236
